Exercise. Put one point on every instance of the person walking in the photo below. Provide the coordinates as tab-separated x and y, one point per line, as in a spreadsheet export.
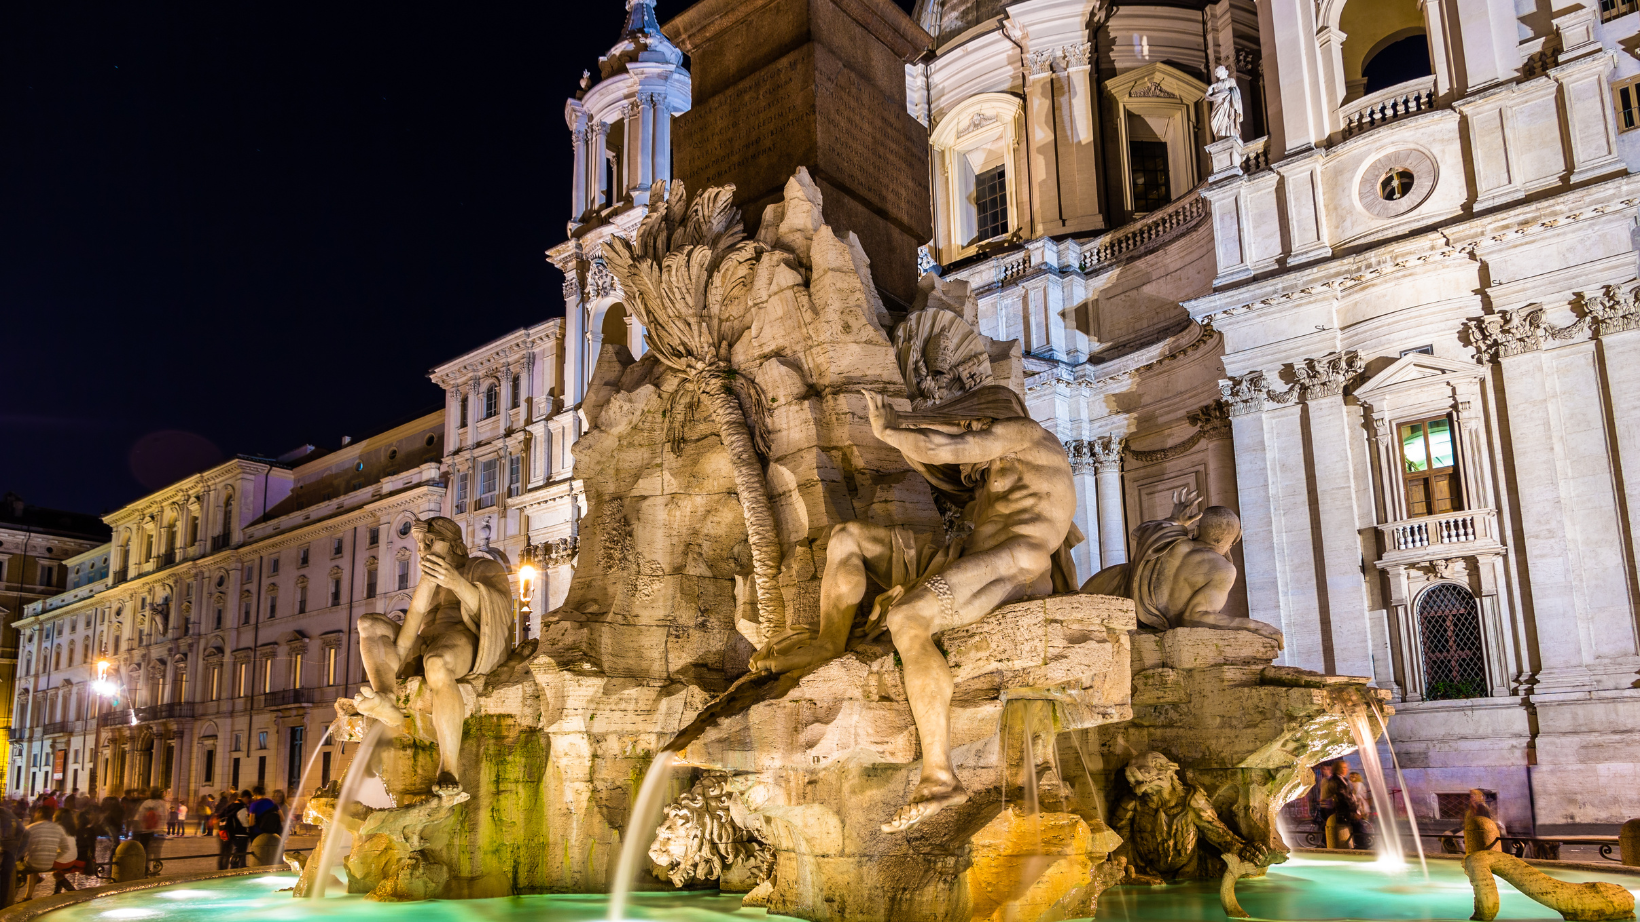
89	822
49	848
203	812
150	820
13	840
75	863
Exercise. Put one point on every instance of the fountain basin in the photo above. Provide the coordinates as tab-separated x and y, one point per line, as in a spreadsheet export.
1311	886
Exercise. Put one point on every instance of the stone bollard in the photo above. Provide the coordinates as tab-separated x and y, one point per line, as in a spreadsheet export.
264	848
1338	833
130	861
1628	843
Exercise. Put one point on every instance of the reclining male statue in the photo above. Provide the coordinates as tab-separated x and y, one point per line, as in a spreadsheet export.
458	623
1177	579
1012	479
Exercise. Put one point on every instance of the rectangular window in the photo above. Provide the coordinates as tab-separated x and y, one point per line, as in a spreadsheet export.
330	665
515	474
404	574
216	682
273	567
375	535
517	398
296	671
1626	94
301	600
48	575
250	574
991	202
463	422
370	584
245	617
218	626
267	679
210	766
324	768
233	780
336	547
261	770
242	686
293	759
488	482
1429	464
302	557
1147	160
273	605
261	739
461	492
238	741
336	591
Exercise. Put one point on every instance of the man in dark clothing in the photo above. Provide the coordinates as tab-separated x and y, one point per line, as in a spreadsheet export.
231	817
264	814
13	840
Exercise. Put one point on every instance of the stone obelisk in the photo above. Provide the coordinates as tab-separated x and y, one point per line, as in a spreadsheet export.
779	84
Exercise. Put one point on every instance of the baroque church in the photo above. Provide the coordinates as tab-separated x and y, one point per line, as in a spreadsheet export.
1385	322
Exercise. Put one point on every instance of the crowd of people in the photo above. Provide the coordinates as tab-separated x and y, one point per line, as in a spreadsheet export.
56	834
1339	792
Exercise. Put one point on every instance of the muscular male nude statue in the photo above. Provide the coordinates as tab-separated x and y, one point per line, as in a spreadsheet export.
1179	580
1012	478
457	623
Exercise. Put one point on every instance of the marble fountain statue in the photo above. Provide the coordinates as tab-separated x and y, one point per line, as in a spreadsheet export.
824	647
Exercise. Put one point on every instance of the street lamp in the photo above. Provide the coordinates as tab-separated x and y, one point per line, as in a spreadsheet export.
526	575
103	687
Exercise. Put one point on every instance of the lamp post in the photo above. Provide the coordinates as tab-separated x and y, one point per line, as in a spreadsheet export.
526	576
102	687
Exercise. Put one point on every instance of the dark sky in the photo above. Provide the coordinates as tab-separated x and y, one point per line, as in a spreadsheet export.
241	226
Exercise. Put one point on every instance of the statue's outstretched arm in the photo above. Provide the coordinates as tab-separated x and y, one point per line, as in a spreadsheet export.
1215	831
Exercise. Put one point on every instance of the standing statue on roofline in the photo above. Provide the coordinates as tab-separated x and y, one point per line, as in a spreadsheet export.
1225	98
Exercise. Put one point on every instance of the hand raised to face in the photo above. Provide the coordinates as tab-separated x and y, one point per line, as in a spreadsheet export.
439	570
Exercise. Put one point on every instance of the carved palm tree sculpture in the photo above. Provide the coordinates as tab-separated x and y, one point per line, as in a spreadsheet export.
686	271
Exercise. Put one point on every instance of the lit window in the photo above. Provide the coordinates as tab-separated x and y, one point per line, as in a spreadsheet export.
1626	94
330	665
1429	464
488	476
991	202
267	685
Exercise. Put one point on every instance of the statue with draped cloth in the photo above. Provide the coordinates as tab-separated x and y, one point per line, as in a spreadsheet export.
459	623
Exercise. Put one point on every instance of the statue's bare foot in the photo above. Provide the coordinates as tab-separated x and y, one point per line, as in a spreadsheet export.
446	786
929	798
379	707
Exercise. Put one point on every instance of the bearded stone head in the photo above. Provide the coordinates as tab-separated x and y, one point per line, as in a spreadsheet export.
1151	774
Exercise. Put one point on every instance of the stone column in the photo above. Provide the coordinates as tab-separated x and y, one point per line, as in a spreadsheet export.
1041	196
597	155
1331	443
574	334
1620	356
646	146
578	195
1106	452
1255	493
1292	76
1488	34
1088	557
663	138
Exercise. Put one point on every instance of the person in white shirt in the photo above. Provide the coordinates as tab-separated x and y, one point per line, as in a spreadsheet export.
49	848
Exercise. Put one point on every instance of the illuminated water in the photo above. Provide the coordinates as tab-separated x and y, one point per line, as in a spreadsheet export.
1321	890
1303	889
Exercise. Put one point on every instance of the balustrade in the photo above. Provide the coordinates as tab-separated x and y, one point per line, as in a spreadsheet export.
1386	106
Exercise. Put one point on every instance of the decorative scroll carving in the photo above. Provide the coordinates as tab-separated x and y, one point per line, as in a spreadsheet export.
558	551
1106	451
601	283
1040	63
1326	376
1078	54
1614	310
1211	421
1249	393
1508	333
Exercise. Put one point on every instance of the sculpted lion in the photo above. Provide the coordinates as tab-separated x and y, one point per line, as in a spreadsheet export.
700	837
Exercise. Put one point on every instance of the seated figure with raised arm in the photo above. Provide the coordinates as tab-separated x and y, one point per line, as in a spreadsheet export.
458	623
1181	573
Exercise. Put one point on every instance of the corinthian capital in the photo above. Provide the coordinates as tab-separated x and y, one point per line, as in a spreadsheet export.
1326	376
1614	310
1040	63
1508	333
1078	54
1106	453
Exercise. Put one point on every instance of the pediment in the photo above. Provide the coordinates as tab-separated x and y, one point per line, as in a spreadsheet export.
1415	370
1156	81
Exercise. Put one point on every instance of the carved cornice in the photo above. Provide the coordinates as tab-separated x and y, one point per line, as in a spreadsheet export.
1250	393
1327	376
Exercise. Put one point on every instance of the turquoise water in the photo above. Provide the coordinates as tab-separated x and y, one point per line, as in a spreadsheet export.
259	899
1319	890
1304	889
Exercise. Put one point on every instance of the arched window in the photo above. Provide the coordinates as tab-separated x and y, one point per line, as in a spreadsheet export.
227	521
492	401
614	329
1449	626
1386	44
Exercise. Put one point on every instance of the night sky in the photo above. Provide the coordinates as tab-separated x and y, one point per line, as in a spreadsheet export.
238	227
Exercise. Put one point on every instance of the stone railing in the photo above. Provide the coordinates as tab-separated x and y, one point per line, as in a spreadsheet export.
60	727
1013	267
1255	156
290	696
1436	530
1386	106
1166	223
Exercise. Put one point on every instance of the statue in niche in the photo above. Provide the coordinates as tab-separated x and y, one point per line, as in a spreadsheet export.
983	455
1181	572
458	623
1225	98
1163	821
